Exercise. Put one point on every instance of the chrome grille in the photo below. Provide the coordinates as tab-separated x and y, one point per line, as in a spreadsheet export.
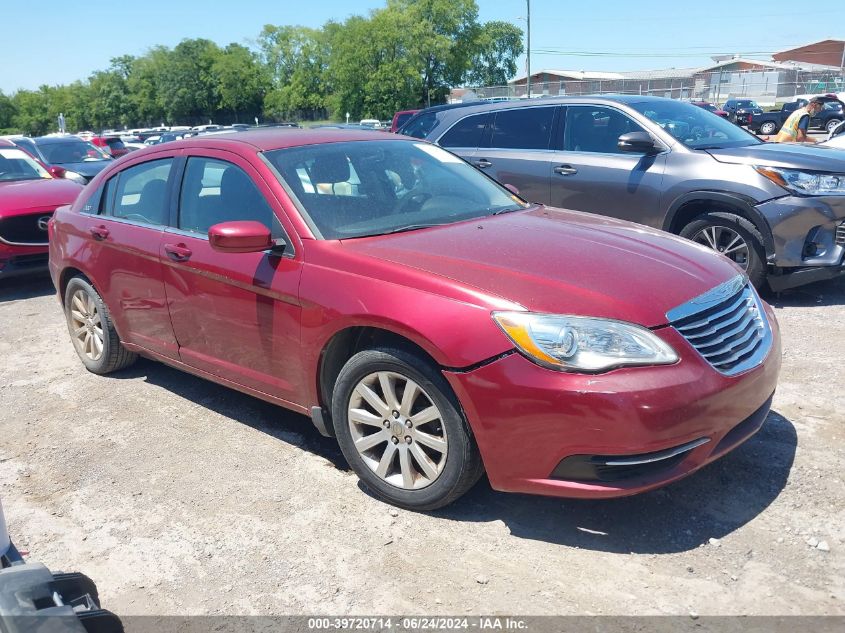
726	325
840	233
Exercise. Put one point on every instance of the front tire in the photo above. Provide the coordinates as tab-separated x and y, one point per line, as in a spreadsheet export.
734	237
768	128
402	431
832	125
91	329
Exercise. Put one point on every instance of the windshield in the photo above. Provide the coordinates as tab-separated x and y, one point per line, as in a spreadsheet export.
747	104
71	151
695	127
361	188
15	164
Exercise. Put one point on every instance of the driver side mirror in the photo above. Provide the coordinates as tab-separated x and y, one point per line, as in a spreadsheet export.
638	142
242	236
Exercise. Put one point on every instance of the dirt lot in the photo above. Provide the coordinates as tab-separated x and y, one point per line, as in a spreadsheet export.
181	497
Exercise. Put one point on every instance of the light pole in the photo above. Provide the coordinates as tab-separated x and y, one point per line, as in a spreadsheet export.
528	50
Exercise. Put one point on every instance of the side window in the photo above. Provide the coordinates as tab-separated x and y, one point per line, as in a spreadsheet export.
141	193
523	128
596	129
214	191
466	132
420	126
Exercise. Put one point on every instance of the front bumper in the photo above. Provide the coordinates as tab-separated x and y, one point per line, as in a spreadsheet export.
796	222
528	421
26	262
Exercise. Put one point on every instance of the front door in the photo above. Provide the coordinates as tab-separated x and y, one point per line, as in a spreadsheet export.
590	173
235	315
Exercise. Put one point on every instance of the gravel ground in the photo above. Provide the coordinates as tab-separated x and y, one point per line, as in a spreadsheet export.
181	497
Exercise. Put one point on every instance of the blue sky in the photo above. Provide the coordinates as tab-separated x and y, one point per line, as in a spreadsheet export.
50	42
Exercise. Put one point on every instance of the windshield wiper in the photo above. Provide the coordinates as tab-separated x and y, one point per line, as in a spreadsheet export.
410	227
506	210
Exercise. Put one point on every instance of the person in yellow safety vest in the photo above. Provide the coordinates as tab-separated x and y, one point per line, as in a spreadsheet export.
794	129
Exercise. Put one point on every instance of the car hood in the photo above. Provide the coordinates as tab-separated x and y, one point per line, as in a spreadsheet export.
562	262
787	155
89	168
21	195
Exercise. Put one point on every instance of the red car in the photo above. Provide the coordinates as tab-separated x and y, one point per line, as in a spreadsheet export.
435	323
400	118
711	107
111	144
28	197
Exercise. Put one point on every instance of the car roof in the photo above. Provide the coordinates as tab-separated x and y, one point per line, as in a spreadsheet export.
50	140
264	140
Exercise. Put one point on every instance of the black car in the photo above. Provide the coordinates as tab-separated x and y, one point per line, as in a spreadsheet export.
740	111
66	156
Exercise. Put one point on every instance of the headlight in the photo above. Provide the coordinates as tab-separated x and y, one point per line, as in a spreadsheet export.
804	182
583	344
72	175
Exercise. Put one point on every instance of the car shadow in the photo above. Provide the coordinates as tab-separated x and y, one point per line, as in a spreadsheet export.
277	422
819	294
711	503
28	287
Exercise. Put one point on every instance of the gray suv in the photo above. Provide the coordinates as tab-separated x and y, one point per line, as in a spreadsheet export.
777	210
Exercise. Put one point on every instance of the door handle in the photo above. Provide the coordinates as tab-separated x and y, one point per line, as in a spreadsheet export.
99	232
483	163
178	252
565	170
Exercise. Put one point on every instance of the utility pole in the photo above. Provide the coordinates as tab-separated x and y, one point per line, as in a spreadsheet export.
842	66
528	50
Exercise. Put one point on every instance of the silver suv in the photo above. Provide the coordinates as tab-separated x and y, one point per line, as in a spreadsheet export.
777	210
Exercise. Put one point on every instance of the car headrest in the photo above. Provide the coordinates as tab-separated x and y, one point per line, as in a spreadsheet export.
330	168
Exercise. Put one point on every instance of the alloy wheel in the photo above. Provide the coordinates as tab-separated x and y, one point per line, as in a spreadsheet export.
726	241
397	430
86	326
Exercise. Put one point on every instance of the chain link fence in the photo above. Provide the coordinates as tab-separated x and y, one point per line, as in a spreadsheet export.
767	87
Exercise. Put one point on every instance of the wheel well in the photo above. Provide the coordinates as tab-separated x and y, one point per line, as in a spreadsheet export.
346	343
68	274
692	209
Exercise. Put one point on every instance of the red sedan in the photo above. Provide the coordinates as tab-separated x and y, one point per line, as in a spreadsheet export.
435	323
28	197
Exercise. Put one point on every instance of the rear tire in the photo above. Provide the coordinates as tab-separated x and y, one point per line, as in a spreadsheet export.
92	331
719	231
421	468
832	125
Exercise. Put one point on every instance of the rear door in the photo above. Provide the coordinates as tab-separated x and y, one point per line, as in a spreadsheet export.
590	172
464	137
235	315
516	150
124	234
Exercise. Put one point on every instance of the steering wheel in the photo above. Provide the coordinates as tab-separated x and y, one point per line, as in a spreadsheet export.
412	202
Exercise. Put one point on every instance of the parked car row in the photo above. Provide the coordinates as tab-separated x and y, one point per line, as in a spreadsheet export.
776	210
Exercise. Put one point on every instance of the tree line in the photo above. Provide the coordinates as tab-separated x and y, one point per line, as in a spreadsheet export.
405	55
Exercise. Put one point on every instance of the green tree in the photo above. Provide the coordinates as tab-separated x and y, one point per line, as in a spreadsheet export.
186	86
497	48
241	81
7	113
297	60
